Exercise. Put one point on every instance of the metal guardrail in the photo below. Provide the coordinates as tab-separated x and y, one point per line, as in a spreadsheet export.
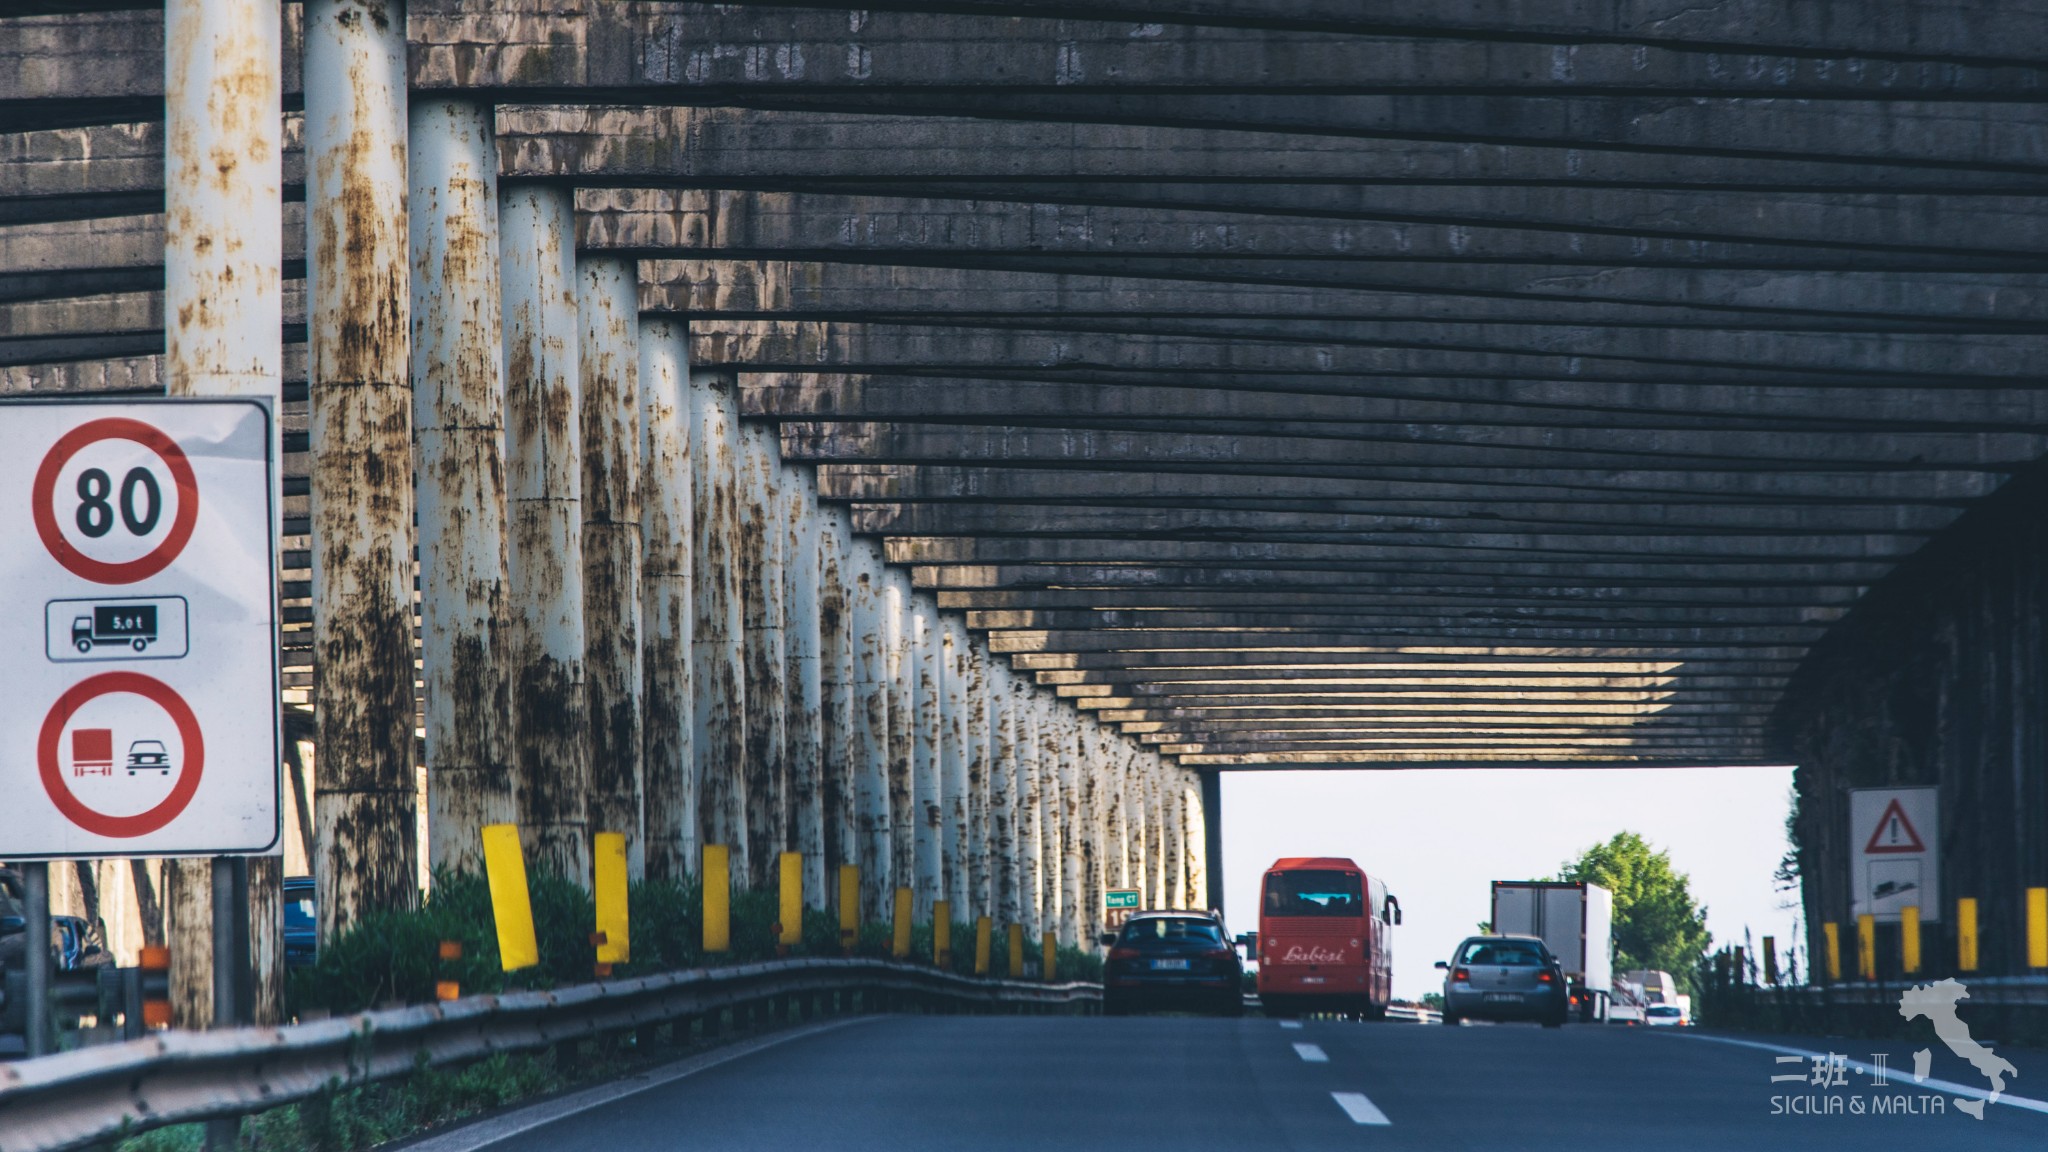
1985	991
78	1098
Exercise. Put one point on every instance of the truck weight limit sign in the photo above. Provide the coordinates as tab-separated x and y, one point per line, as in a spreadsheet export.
138	633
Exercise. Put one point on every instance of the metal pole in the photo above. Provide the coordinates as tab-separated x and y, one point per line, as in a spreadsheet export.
667	607
223	304
458	377
803	636
763	542
927	647
608	353
872	701
717	645
35	883
544	490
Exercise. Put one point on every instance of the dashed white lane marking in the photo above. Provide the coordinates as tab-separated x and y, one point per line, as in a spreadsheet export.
1360	1109
1312	1053
1893	1075
1290	1023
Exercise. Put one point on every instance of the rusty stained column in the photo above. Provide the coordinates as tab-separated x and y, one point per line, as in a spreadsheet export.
836	695
544	457
803	636
608	350
1028	868
763	541
358	318
1196	854
998	824
223	336
1159	862
1116	813
667	609
458	379
1052	849
899	642
1064	747
955	801
1093	822
873	700
1173	807
927	652
1131	786
717	645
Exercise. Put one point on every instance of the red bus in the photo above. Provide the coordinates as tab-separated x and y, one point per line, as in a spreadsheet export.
1325	939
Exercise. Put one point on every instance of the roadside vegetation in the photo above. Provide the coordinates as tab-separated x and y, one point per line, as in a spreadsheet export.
1657	923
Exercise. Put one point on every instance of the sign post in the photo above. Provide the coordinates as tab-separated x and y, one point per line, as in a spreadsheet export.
1895	852
139	691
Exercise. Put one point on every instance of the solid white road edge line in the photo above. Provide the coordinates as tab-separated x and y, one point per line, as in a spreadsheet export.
483	1133
1360	1109
1290	1023
1893	1075
1313	1053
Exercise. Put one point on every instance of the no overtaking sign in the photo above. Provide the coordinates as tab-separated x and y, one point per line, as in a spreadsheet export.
138	633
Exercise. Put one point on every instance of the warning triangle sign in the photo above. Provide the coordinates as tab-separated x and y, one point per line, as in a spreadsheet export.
1894	833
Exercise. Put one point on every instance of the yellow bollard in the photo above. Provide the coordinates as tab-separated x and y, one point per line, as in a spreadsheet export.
791	914
1866	946
1966	934
511	907
2037	927
899	944
982	928
1909	938
849	906
1770	960
608	876
942	934
717	898
1016	951
1049	957
1834	936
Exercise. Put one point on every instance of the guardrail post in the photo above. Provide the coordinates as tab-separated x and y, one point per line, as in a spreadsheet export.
717	898
983	928
1833	934
511	907
942	933
1048	957
2037	927
1966	934
1909	940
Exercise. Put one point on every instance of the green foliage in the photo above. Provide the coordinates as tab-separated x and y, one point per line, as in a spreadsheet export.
1657	923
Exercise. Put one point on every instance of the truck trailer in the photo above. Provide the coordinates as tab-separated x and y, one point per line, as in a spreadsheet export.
1576	922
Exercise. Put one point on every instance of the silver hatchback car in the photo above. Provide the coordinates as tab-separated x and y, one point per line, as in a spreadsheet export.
1504	978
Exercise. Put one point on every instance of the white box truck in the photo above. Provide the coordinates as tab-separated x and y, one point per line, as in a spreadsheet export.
1576	922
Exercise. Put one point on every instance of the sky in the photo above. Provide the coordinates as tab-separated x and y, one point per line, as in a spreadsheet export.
1439	837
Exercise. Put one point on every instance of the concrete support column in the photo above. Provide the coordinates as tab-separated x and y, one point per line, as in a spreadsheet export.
1073	810
1030	815
223	336
543	449
1162	863
999	855
1052	852
717	646
956	801
1136	846
458	380
900	643
1092	825
763	544
928	875
803	632
358	331
1205	839
608	348
873	700
1120	827
1173	801
667	608
836	695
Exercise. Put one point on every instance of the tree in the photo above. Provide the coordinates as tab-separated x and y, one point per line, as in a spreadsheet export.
1657	923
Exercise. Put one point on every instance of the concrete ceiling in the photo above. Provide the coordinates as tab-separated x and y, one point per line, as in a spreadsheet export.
1490	383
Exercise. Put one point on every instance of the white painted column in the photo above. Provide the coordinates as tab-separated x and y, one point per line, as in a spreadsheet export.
1197	851
1029	880
954	798
874	699
996	832
1065	745
903	728
718	640
927	859
836	696
803	632
608	348
667	604
763	542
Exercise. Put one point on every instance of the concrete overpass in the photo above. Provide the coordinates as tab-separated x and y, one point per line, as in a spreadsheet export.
943	436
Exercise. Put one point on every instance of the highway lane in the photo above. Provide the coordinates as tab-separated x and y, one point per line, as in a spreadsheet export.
994	1084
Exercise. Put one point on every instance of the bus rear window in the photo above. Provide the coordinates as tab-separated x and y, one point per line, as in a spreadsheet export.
1314	893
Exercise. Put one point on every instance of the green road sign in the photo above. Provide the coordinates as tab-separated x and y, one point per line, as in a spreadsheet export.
1127	898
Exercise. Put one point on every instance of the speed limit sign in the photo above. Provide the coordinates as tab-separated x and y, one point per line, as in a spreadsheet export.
139	699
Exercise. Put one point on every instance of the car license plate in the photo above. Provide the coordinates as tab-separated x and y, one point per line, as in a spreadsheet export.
1314	980
1503	997
1169	965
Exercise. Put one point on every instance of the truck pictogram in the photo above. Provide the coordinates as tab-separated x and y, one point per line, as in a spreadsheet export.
115	624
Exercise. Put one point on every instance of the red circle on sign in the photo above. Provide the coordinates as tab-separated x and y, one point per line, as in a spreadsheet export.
43	501
52	768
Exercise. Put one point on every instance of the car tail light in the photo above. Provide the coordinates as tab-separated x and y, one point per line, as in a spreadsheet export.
1461	975
1543	977
1122	953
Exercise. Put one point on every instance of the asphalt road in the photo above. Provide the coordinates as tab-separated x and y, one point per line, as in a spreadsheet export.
994	1084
